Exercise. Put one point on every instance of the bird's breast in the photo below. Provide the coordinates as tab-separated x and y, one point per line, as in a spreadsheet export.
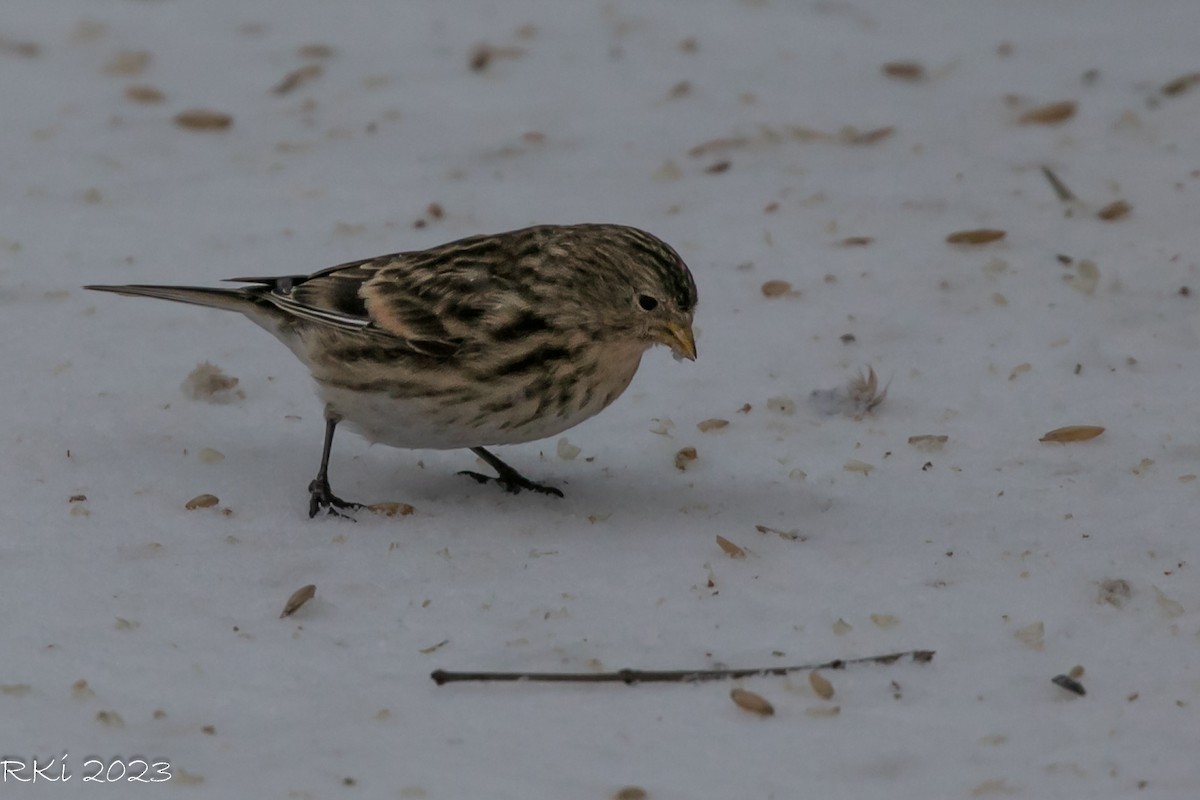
507	408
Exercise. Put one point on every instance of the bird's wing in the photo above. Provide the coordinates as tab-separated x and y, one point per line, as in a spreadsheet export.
432	301
346	297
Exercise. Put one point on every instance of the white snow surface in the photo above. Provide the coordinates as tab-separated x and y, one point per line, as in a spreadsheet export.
172	617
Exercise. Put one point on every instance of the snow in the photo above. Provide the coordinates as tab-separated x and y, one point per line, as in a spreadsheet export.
162	609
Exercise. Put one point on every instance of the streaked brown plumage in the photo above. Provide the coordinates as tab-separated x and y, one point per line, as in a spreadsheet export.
488	340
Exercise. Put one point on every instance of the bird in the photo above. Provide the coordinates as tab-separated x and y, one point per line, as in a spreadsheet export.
489	340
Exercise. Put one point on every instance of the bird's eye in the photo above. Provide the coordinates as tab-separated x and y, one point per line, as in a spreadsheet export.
646	302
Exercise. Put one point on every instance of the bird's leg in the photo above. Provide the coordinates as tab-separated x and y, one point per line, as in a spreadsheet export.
506	476
320	495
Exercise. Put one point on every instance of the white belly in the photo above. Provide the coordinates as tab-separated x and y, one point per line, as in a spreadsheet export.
431	423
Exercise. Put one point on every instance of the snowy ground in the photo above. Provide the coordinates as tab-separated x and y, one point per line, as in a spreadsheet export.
134	626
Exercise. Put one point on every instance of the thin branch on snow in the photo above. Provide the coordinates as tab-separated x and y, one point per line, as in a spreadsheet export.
631	676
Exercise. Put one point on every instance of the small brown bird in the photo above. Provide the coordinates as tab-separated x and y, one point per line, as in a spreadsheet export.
488	340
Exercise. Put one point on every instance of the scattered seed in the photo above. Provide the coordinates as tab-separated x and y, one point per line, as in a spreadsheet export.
993	786
680	89
685	457
752	702
856	241
1032	635
854	465
1072	433
792	535
147	95
976	236
904	70
298	598
481	57
731	549
434	647
315	51
88	30
199	119
110	718
20	48
391	509
1069	683
184	778
1118	209
852	136
567	451
713	424
207	455
928	442
1181	84
201	501
1019	369
1050	114
1169	607
630	793
669	171
718	145
823	711
127	63
820	685
718	167
298	77
483	54
210	384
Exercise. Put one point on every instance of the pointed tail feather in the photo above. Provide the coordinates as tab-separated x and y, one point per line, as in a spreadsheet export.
229	299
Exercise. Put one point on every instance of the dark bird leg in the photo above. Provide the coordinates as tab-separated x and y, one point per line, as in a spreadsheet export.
320	495
508	478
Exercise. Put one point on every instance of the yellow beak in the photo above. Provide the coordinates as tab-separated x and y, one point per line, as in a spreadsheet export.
680	339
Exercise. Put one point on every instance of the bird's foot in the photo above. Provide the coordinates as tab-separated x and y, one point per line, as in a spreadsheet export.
322	497
513	482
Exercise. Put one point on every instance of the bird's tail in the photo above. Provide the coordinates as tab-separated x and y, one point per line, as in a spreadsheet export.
229	299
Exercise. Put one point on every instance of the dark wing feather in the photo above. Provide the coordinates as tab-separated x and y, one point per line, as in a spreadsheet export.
338	297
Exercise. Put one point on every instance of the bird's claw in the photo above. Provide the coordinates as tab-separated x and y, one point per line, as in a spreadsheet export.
513	484
322	496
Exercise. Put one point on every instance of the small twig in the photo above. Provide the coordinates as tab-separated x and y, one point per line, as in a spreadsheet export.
631	676
1060	188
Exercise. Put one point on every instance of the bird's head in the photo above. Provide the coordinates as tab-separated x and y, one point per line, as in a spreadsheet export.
637	286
